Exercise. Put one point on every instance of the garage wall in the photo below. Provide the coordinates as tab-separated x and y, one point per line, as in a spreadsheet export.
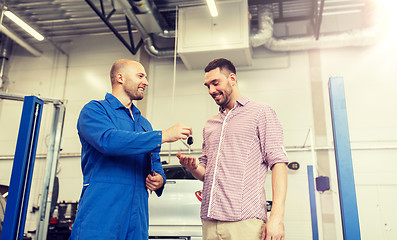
281	79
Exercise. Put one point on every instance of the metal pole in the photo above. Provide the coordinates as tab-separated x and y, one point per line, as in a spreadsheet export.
313	206
51	167
22	169
343	158
18	97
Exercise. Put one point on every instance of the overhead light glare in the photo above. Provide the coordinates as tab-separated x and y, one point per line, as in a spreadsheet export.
212	8
341	12
387	9
23	25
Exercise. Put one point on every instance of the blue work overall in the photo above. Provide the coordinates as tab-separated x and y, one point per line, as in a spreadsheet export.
118	152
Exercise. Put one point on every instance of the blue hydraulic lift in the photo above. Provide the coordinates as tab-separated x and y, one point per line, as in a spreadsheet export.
22	171
344	166
343	158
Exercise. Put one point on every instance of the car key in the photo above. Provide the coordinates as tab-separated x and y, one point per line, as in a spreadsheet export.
190	142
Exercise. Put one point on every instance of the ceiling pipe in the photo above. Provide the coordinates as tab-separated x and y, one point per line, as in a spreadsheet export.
34	51
148	7
265	36
147	38
5	52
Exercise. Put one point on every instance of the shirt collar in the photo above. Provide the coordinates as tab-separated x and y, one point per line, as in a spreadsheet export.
240	102
116	104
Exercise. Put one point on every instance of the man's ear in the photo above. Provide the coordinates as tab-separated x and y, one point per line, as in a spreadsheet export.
119	78
233	78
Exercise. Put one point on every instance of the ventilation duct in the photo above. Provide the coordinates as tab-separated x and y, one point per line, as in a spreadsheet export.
265	37
150	17
202	38
5	52
147	22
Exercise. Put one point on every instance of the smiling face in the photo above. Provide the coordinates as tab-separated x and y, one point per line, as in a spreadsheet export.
135	80
220	86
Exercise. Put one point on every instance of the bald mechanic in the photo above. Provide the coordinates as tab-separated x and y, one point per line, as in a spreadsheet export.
120	160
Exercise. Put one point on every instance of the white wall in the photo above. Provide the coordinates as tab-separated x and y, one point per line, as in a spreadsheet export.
280	79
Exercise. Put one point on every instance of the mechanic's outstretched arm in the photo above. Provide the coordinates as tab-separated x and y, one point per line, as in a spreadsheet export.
190	163
274	227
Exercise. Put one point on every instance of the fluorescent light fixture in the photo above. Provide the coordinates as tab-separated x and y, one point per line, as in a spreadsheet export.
342	12
212	7
23	25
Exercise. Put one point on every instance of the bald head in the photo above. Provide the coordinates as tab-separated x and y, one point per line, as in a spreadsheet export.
121	66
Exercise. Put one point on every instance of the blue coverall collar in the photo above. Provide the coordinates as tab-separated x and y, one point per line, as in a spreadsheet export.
116	104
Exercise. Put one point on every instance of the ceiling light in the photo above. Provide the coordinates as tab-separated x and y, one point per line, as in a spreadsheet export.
23	25
212	7
342	12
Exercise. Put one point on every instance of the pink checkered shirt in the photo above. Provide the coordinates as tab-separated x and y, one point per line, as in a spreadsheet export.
238	149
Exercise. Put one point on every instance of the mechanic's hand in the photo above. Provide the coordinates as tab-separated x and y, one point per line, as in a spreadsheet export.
154	182
188	162
176	132
273	230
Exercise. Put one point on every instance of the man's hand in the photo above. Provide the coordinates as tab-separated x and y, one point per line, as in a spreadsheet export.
154	182
273	230
188	162
176	132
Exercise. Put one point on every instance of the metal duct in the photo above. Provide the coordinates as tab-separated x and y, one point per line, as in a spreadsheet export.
20	41
149	8
6	48
265	37
147	38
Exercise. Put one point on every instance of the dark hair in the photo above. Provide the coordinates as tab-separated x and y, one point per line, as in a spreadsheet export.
220	63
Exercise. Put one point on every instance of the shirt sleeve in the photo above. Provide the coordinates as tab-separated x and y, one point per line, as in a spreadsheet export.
97	128
271	137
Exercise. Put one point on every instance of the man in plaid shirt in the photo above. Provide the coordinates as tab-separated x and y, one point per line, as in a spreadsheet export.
240	144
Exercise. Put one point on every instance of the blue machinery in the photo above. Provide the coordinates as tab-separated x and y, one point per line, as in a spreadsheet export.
22	169
23	165
344	166
312	197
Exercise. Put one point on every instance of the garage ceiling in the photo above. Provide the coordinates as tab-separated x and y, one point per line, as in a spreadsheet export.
61	20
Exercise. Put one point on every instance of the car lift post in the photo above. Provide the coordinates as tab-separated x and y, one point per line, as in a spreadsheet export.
51	162
54	148
312	198
343	158
22	170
